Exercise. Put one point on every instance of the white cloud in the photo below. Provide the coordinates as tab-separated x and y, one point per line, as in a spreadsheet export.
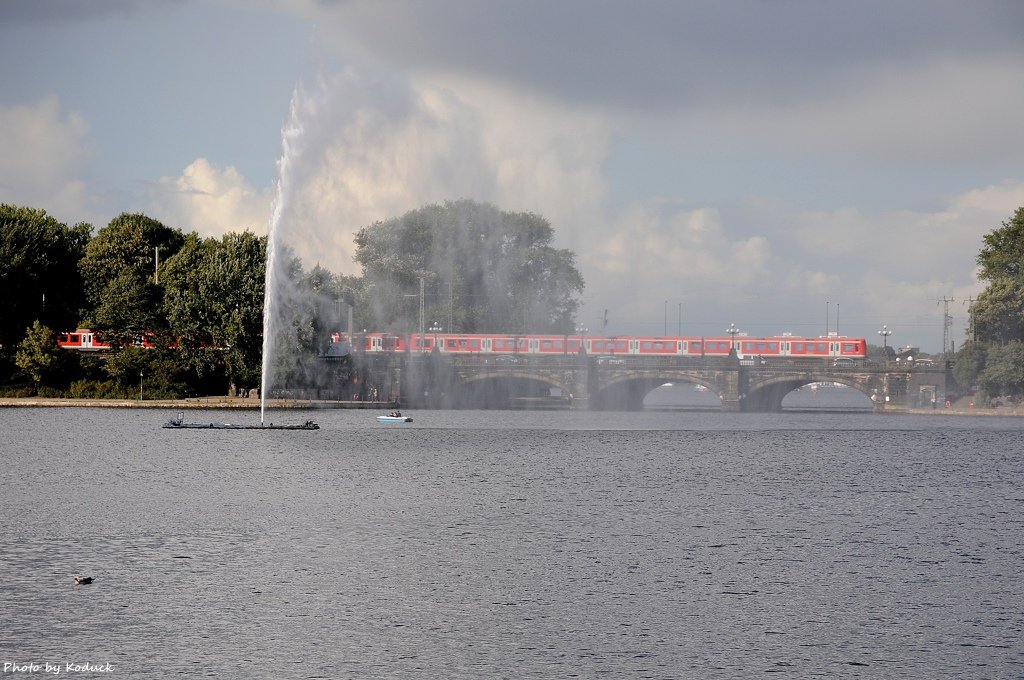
211	201
44	156
888	267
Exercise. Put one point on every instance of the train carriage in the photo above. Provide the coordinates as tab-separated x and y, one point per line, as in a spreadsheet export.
83	340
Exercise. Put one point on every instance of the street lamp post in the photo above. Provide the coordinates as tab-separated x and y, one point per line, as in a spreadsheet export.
435	329
582	332
885	333
733	332
140	385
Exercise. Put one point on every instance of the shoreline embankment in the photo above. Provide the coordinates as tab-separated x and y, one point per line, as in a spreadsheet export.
193	403
241	403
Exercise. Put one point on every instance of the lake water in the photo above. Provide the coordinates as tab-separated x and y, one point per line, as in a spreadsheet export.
514	545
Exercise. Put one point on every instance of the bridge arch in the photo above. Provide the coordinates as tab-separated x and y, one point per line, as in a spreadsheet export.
627	391
508	388
767	395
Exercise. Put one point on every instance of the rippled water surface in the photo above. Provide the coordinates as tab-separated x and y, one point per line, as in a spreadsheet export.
517	545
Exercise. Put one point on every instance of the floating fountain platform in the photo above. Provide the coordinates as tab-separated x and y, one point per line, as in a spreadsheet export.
179	423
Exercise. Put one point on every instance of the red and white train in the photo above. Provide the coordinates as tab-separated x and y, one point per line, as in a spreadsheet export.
783	346
85	340
832	346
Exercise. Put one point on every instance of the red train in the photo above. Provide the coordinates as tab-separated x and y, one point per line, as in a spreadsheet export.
497	343
85	340
788	346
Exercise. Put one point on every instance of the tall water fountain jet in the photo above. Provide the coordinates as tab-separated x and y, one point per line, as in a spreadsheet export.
298	311
278	289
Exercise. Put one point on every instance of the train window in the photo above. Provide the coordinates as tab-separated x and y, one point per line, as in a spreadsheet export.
646	344
821	347
798	347
695	347
761	347
546	344
620	345
773	346
849	347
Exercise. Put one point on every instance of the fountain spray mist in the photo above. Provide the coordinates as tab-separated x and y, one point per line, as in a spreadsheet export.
291	135
296	312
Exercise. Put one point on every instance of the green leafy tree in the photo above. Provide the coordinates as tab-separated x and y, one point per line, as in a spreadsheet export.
39	356
970	362
1003	375
38	272
128	368
1002	257
120	278
484	269
994	358
214	305
998	313
151	373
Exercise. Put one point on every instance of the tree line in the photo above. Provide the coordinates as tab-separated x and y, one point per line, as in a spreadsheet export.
992	358
199	301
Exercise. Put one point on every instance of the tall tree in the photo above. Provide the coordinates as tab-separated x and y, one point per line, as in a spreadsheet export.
994	359
38	272
483	270
120	274
998	313
1003	254
214	304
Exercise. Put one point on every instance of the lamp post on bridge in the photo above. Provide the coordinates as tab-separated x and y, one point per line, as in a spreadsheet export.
733	332
885	333
582	332
435	329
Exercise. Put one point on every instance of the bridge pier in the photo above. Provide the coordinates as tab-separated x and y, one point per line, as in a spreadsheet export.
732	383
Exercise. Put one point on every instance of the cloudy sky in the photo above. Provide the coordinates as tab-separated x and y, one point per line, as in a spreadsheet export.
767	163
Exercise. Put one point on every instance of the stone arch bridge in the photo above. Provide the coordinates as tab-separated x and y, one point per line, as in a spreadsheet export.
621	383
